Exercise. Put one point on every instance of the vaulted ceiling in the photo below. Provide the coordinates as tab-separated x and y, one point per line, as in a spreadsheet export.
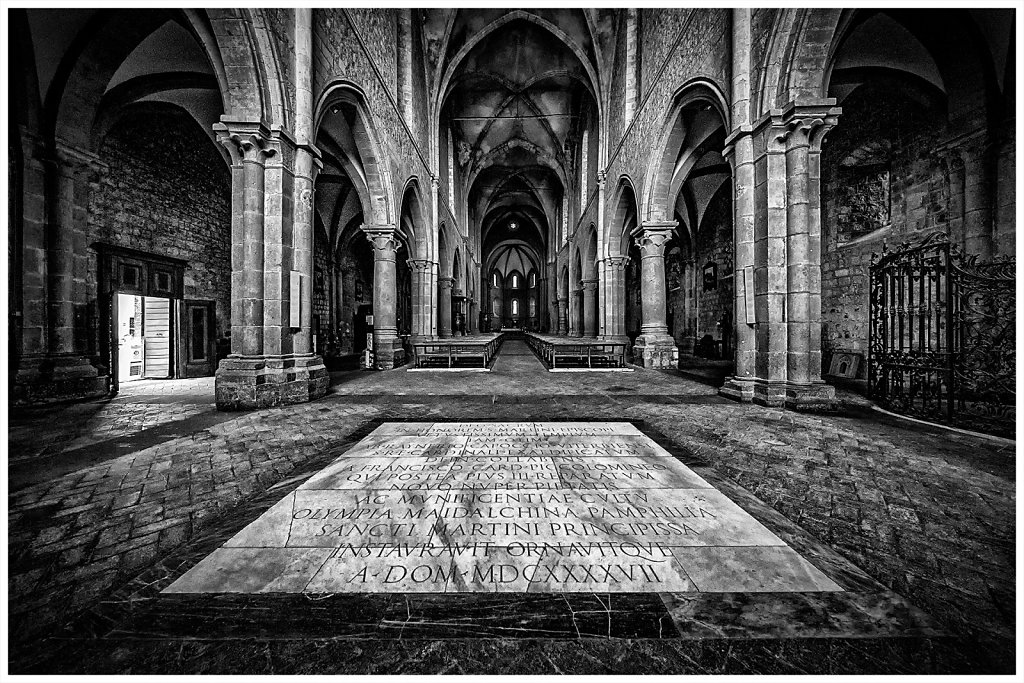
516	90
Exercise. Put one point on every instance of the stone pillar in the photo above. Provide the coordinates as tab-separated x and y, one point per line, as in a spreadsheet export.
422	301
563	316
590	308
271	362
614	305
740	153
67	369
444	306
337	301
786	219
56	363
458	309
978	234
654	348
387	346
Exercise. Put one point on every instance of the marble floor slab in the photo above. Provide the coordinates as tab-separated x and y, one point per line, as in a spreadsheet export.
531	507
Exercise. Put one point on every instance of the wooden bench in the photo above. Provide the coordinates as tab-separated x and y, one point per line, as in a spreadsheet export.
586	353
450	352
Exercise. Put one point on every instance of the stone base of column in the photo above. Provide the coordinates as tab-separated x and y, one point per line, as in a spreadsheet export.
738	389
769	393
816	396
263	382
388	353
46	379
656	351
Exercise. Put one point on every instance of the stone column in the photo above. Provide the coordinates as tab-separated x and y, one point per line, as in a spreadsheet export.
740	153
458	309
249	150
590	308
387	346
978	234
804	385
444	306
654	348
542	304
614	305
422	277
337	301
786	259
563	316
56	363
34	285
68	370
271	362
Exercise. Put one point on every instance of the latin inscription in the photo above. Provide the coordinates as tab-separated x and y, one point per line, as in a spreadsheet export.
446	507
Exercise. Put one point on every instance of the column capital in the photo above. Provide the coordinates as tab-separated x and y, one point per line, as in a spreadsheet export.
421	265
652	236
589	283
384	240
802	125
73	161
247	141
446	282
602	177
617	263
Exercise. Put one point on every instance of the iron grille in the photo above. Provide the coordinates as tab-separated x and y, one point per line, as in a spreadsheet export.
941	341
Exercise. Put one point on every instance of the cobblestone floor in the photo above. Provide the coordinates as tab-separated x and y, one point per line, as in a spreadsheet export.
100	491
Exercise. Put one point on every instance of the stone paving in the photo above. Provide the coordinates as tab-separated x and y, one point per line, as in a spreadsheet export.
927	512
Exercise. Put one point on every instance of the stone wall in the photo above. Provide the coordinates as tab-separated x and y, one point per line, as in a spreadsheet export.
339	56
166	191
684	273
886	137
321	273
279	26
714	245
698	55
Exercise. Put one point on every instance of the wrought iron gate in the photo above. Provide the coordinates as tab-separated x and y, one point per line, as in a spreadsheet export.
941	343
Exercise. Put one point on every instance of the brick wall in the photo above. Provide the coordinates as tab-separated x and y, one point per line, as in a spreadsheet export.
167	191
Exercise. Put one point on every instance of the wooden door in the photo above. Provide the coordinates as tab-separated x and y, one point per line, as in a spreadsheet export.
157	336
199	351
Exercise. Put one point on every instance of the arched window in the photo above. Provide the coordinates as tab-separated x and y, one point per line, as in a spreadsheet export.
533	279
533	307
515	282
515	306
496	307
494	279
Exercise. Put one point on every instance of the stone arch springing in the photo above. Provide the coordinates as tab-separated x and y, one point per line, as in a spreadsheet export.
624	217
372	167
80	82
664	170
413	220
